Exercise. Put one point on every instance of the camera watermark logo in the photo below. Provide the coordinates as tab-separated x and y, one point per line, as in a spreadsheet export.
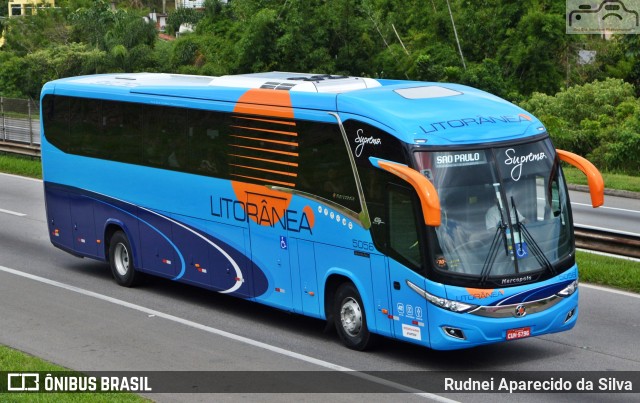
603	17
23	382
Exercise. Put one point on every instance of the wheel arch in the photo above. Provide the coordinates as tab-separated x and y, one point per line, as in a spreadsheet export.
333	280
112	226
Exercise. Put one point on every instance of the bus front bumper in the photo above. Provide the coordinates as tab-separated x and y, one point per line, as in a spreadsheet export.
450	331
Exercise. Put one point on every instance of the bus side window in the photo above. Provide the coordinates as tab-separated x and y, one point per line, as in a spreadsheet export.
325	169
404	238
164	137
85	125
55	111
208	144
121	138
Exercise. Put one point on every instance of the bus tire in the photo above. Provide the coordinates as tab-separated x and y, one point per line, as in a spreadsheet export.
121	260
350	319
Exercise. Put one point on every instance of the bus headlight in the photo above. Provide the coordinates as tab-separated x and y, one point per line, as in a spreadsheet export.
453	306
568	290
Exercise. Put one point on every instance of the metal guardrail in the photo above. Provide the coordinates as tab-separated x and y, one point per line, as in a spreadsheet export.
622	244
19	148
19	126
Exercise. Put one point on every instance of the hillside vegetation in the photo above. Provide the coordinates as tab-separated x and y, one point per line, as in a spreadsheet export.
516	50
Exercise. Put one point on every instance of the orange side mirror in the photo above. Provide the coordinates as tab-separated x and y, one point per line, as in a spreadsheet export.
426	191
594	178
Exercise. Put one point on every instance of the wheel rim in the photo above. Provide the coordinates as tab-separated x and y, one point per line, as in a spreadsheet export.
351	316
121	259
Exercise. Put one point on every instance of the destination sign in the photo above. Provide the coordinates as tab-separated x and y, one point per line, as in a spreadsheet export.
459	158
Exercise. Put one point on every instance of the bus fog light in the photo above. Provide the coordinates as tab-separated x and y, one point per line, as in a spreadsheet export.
570	315
454	332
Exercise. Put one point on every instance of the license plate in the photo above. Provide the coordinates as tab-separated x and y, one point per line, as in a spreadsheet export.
518	333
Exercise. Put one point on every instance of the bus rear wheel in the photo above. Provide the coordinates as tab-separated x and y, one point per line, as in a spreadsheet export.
121	260
350	319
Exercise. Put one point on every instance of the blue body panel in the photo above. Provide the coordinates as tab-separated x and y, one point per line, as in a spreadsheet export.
198	230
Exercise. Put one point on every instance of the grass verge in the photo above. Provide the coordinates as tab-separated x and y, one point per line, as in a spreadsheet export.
608	271
18	165
611	180
17	361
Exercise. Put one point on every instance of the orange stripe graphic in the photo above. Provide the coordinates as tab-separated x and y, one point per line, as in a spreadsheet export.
257	129
266	180
279	122
266	170
265	150
286	143
258	101
291	164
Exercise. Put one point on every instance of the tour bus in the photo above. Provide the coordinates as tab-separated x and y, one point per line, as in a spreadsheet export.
431	213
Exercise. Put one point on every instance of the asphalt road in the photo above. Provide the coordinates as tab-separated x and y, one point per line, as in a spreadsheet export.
618	213
69	311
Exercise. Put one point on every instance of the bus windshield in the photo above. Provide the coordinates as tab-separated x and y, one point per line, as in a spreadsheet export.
504	210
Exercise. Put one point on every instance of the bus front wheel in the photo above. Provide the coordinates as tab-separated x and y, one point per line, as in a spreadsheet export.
350	319
121	260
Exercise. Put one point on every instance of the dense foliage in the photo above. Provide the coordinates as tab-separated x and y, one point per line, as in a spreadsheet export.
600	120
517	50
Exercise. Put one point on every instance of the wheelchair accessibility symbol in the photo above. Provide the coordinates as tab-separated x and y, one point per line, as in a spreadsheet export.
283	242
522	250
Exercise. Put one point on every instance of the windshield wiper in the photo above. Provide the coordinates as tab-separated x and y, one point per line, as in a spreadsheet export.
533	245
493	252
501	232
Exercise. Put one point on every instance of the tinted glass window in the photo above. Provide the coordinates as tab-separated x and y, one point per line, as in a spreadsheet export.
208	143
164	137
121	136
55	114
325	169
84	126
307	156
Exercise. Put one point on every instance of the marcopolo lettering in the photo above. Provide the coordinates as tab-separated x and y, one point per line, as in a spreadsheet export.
264	214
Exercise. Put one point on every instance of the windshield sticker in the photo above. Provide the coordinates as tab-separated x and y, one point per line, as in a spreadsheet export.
522	250
428	174
459	159
517	161
477	121
361	141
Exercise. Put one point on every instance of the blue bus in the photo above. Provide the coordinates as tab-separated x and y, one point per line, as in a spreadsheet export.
431	213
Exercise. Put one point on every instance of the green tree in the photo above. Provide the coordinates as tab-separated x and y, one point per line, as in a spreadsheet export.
600	120
91	23
182	16
59	61
25	35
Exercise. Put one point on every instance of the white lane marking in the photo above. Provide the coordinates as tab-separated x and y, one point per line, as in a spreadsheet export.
12	212
242	339
608	208
611	290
